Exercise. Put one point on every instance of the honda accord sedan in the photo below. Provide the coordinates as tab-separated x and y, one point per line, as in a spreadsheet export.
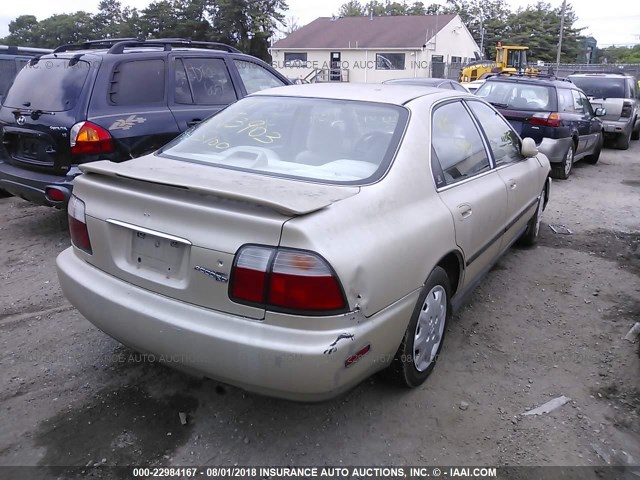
304	237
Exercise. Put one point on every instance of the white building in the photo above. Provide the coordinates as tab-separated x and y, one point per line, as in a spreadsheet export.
374	49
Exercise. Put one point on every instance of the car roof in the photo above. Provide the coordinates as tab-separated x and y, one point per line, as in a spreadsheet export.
416	81
532	80
601	74
365	92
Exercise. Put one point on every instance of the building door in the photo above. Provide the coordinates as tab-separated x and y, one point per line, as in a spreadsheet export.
437	66
336	65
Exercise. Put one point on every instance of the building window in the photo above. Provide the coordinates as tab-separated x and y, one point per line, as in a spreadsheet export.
389	61
295	59
437	58
456	59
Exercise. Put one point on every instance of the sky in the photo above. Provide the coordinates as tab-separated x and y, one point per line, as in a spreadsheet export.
619	24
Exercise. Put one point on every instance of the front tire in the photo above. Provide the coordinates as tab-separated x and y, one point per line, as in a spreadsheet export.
418	352
563	169
530	235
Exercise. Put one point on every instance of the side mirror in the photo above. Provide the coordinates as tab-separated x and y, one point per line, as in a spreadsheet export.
528	148
600	112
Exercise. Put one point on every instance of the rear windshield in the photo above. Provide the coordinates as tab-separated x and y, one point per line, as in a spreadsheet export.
601	87
330	141
518	96
50	85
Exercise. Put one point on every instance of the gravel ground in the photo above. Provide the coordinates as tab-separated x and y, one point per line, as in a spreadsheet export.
547	321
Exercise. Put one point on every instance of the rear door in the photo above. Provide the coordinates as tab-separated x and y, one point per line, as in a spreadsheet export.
198	88
519	174
130	101
45	100
471	189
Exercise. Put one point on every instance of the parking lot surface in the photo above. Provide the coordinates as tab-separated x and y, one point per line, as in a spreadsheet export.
546	322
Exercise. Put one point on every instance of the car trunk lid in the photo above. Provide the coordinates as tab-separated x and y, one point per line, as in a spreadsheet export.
174	228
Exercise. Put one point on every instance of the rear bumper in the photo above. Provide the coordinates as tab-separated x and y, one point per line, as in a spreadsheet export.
555	148
292	363
31	185
617	127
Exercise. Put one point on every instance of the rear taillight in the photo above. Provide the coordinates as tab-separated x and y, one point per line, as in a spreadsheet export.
78	225
627	109
286	280
90	139
545	119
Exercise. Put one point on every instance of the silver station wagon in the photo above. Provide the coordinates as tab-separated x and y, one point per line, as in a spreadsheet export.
305	237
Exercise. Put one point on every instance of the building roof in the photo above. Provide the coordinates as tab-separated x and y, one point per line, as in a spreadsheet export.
402	31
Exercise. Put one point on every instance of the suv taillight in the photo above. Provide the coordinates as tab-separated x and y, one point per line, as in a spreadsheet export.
288	280
545	119
78	225
627	108
90	139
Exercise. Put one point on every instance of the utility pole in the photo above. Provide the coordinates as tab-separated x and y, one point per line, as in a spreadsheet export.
481	37
564	8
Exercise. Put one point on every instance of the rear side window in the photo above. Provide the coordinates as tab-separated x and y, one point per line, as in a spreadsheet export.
50	85
601	87
138	82
203	81
7	73
255	77
457	144
565	101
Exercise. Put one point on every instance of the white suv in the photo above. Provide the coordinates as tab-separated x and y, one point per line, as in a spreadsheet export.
618	94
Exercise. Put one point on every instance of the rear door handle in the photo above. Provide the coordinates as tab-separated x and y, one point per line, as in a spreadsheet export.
465	210
194	122
512	184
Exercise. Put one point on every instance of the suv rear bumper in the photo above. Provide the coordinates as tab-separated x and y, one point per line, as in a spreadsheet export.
32	186
617	127
555	148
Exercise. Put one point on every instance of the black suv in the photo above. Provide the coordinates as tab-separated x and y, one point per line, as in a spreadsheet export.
113	99
554	112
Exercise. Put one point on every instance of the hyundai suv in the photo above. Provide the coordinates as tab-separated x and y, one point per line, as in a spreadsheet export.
618	94
113	99
554	112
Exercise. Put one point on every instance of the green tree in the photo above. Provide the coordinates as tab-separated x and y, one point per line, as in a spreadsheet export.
352	8
538	27
23	31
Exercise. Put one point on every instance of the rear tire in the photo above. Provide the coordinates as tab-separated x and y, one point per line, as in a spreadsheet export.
622	142
593	158
635	135
562	170
530	235
418	352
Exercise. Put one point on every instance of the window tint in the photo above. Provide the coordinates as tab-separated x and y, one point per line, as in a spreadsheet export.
203	81
256	77
601	87
7	73
565	101
389	61
517	96
457	144
63	85
504	142
138	82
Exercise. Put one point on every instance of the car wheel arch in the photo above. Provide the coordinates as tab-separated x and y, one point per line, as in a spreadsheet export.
452	263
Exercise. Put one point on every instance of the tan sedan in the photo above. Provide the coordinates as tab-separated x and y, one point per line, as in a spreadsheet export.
306	236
